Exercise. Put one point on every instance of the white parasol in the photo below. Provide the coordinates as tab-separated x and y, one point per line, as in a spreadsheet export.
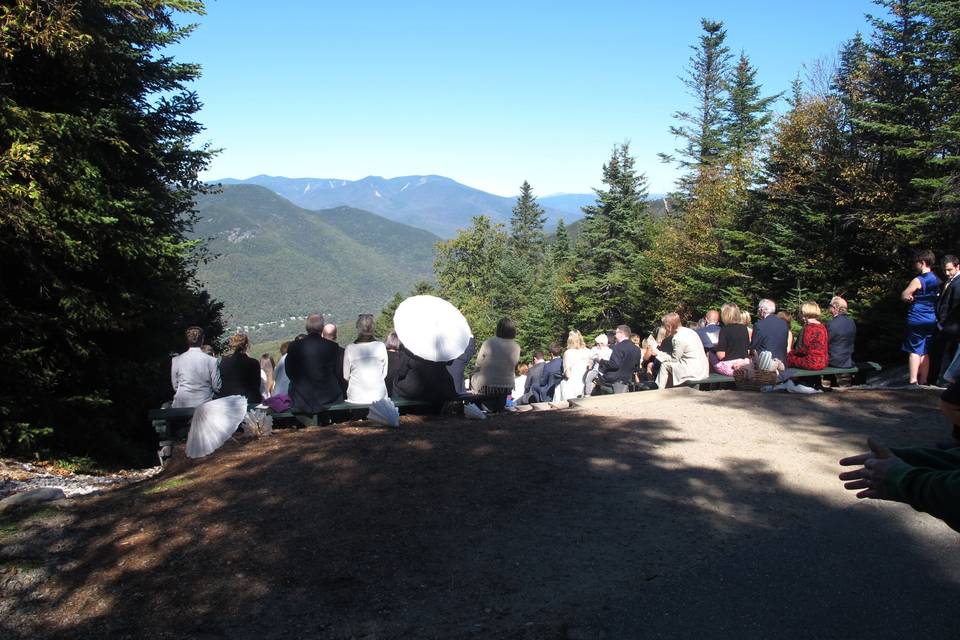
431	328
213	423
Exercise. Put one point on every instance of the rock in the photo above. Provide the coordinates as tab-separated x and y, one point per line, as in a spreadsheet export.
27	498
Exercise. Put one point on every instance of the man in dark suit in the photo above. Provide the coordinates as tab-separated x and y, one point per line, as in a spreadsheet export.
616	374
311	366
550	376
948	321
330	333
770	332
842	332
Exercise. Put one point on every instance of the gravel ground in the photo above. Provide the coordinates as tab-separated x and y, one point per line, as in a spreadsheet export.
671	514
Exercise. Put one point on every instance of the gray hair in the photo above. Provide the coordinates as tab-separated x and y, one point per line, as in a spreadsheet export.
839	304
314	323
767	307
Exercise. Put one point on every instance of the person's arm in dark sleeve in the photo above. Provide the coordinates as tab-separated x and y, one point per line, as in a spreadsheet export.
929	481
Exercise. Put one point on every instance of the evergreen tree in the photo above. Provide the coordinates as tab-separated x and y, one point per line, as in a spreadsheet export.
97	176
604	282
746	119
702	131
560	252
526	226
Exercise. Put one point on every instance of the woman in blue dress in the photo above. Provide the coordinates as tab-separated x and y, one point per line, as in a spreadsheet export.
921	293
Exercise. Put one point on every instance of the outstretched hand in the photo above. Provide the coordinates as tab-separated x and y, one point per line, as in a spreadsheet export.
869	480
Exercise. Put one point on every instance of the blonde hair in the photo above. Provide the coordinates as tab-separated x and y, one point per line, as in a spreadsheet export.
239	343
522	369
810	309
745	318
730	314
575	340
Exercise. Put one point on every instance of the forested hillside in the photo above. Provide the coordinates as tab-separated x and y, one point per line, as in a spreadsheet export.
829	197
274	260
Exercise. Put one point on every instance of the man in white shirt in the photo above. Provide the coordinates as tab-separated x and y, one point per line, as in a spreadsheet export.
195	375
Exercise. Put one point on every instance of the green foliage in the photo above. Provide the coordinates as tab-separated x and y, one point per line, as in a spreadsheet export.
97	176
606	277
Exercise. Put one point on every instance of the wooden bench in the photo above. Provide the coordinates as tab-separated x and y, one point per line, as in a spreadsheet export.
717	381
161	418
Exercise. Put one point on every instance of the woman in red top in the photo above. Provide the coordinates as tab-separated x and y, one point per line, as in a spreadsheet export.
811	350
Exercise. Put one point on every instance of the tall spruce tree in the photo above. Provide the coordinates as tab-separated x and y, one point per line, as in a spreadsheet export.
526	226
97	174
604	282
746	118
702	130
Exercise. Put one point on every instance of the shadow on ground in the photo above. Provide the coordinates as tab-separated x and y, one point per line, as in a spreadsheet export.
552	525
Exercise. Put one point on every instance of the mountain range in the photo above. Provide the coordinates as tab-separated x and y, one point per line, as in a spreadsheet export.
434	203
276	261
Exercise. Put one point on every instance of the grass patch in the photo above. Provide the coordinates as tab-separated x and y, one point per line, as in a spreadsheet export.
77	464
172	483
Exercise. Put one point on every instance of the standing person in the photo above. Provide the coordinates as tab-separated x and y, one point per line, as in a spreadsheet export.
496	363
312	369
686	360
948	321
240	374
393	361
365	364
842	332
811	351
770	333
576	361
616	374
733	343
921	293
194	375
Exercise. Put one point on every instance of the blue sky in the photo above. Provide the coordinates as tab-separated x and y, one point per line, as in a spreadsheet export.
488	93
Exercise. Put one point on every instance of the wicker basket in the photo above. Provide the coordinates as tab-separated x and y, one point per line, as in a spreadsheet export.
750	379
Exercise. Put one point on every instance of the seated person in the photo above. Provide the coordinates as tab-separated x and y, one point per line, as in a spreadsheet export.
686	360
770	333
421	379
551	374
811	350
520	381
496	362
194	375
616	374
709	330
533	375
393	360
842	332
600	351
365	364
312	369
733	343
281	383
239	373
788	318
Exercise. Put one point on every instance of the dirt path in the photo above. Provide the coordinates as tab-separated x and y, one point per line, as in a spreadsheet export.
648	515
